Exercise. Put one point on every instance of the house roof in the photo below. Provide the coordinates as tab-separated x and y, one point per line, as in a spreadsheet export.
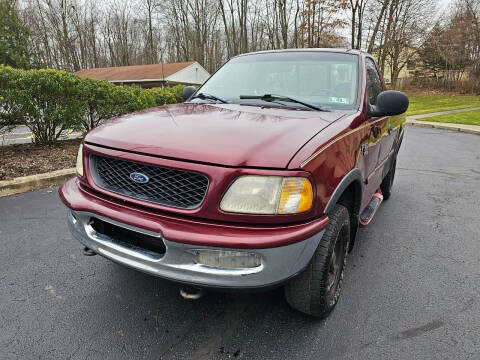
135	72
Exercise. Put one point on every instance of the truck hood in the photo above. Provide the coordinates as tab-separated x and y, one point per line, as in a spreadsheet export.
227	134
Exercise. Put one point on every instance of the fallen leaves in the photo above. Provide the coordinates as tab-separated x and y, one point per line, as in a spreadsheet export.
28	159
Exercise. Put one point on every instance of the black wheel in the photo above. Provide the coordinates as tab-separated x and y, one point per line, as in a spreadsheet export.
387	183
315	291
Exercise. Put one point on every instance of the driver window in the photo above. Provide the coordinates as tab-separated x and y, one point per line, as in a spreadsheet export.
374	84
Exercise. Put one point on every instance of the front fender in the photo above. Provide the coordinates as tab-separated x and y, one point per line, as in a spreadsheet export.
353	177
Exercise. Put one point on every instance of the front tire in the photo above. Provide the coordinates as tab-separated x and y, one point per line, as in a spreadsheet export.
316	290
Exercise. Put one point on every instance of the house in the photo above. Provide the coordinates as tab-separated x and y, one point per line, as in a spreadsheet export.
409	63
148	76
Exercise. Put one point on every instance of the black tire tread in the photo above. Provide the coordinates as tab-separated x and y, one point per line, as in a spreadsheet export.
306	292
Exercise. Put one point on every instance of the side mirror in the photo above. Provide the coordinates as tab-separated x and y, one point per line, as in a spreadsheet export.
389	103
187	92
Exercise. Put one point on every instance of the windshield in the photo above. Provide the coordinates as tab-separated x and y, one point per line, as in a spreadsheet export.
326	79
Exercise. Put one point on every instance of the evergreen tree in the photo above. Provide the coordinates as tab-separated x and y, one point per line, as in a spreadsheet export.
14	37
430	52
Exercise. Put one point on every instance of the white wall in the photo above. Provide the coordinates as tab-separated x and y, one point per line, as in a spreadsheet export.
192	74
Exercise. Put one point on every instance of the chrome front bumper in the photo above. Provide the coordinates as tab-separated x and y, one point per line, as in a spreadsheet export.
178	263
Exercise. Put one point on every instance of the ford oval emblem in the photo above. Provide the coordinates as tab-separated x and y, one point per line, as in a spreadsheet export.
139	178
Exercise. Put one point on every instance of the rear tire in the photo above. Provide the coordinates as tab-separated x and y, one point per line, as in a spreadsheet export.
387	183
315	291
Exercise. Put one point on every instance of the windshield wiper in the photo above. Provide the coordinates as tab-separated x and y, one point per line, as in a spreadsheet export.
273	97
204	96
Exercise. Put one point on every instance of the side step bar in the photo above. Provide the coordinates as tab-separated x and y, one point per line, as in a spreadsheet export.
369	212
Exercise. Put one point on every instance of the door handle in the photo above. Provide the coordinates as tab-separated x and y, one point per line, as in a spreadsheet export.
364	149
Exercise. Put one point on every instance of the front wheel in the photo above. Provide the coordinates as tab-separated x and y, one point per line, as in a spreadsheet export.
316	290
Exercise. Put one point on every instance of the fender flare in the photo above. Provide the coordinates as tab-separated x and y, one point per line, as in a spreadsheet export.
354	175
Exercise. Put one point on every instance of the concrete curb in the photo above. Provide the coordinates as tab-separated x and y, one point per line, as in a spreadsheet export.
34	182
469	129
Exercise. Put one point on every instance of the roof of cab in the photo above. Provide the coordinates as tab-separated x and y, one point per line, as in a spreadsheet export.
336	50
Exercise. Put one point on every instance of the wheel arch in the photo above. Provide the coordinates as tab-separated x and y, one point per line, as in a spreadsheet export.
349	194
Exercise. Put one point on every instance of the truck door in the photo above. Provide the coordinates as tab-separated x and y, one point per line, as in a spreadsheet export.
388	130
372	149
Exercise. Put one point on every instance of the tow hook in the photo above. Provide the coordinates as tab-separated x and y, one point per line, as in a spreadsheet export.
88	252
191	293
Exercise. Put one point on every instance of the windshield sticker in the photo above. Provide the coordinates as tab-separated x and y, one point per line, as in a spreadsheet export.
337	100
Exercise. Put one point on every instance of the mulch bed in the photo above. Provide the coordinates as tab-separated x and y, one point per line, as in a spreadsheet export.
27	159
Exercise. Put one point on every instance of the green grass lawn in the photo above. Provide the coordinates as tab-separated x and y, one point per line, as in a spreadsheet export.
467	117
425	104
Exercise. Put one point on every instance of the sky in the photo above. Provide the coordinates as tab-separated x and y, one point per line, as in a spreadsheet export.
442	5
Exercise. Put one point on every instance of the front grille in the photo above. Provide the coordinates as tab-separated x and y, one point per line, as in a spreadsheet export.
165	186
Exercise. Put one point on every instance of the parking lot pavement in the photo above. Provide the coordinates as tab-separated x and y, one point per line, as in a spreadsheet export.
412	286
23	135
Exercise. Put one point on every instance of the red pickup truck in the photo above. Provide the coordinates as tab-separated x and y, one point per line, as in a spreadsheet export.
260	178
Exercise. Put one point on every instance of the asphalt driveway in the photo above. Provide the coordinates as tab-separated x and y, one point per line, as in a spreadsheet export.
412	286
23	135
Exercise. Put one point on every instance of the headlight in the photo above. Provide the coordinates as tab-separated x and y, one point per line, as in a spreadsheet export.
268	195
80	160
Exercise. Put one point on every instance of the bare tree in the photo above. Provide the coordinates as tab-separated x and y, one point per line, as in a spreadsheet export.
398	29
377	19
357	9
75	34
321	21
150	8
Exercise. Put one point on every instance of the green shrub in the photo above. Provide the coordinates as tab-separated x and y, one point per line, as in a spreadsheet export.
138	98
100	101
51	101
177	90
103	101
10	112
163	96
46	101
